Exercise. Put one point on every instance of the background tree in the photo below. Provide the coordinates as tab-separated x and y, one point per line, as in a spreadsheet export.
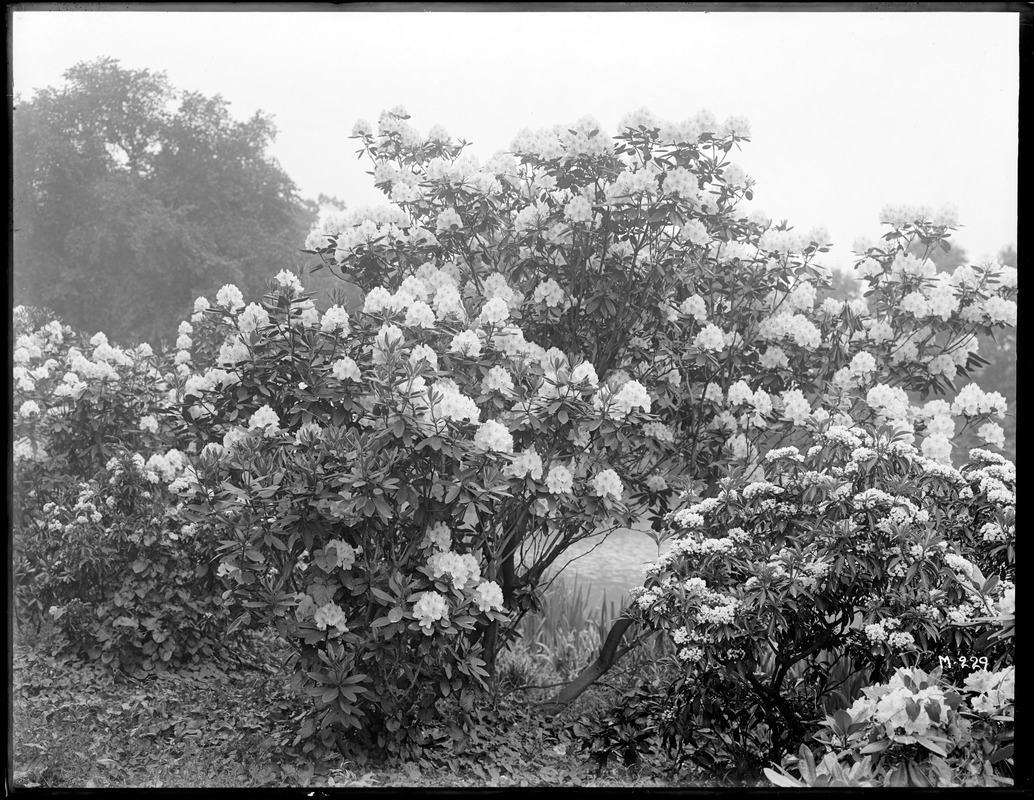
131	198
1000	373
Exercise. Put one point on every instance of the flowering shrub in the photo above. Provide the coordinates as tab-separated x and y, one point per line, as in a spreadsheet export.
120	575
561	338
776	592
98	546
366	507
556	341
77	400
708	306
917	730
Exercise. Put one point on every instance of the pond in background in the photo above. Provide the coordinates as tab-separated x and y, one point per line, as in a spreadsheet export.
610	563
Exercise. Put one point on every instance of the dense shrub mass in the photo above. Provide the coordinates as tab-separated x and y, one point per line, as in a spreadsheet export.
780	593
124	579
101	548
583	331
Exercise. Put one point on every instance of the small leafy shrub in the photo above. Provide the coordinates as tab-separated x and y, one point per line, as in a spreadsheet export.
123	579
916	730
626	731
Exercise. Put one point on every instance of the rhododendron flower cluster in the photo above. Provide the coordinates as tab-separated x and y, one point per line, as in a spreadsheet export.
331	616
265	419
559	480
488	596
461	569
438	536
429	609
606	483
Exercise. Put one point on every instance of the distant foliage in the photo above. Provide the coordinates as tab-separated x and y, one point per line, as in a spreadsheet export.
131	197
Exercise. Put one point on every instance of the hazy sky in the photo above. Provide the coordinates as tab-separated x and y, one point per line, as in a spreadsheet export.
849	111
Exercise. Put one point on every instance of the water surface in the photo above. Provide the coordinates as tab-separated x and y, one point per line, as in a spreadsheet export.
610	563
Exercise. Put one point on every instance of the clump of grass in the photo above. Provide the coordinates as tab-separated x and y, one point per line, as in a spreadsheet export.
563	637
566	629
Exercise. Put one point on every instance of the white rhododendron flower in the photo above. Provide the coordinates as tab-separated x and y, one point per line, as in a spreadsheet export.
335	320
448	220
420	315
632	395
578	210
491	435
497	380
529	463
462	569
429	608
695	233
585	372
559	480
266	419
232	436
710	338
438	536
694	306
606	483
796	407
331	615
345	369
488	596
252	318
28	409
423	352
167	466
549	293
937	447
740	393
232	352
344	551
454	405
288	280
495	312
229	297
467	343
377	300
992	433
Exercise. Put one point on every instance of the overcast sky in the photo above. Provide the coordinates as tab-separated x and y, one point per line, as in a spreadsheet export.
849	111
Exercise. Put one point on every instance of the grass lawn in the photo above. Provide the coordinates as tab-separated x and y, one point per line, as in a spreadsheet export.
230	725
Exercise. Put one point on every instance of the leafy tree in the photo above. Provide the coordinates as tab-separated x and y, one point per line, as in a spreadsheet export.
131	198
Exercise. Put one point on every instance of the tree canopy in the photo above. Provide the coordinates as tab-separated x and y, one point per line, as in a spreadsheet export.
131	198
